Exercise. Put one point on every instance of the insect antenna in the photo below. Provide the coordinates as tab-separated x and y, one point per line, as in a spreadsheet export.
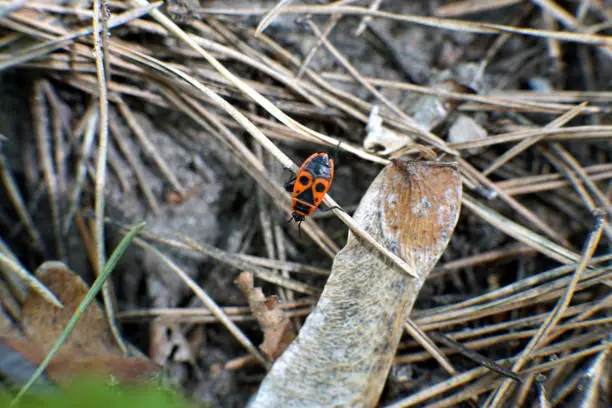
334	153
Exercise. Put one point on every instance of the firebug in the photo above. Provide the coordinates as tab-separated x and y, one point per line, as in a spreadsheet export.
309	186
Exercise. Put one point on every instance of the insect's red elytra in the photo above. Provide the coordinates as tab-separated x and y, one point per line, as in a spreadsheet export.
310	184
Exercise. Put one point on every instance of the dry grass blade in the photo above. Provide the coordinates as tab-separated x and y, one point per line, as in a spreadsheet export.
423	339
561	14
250	57
557	313
417	399
524	292
526	143
593	377
471	6
286	265
12	266
267	19
203	315
11	6
575	166
575	181
555	96
15	196
258	272
490	256
493	190
532	184
136	165
209	303
440	388
442	23
43	140
244	87
567	19
567	133
11	280
494	100
521	233
59	126
449	342
54	44
100	51
148	146
237	262
411	123
331	23
486	342
374	5
90	120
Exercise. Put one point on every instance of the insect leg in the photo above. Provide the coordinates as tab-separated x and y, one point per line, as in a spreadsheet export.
335	207
289	184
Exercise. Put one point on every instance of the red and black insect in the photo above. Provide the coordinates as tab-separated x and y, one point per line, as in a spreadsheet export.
309	186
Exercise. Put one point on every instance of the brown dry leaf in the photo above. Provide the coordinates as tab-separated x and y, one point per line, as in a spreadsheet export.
43	324
5	322
19	359
90	348
121	368
343	354
11	337
274	324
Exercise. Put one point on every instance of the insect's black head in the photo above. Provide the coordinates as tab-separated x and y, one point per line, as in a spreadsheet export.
298	217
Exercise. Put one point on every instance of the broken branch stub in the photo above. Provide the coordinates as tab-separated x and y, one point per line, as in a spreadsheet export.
343	353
